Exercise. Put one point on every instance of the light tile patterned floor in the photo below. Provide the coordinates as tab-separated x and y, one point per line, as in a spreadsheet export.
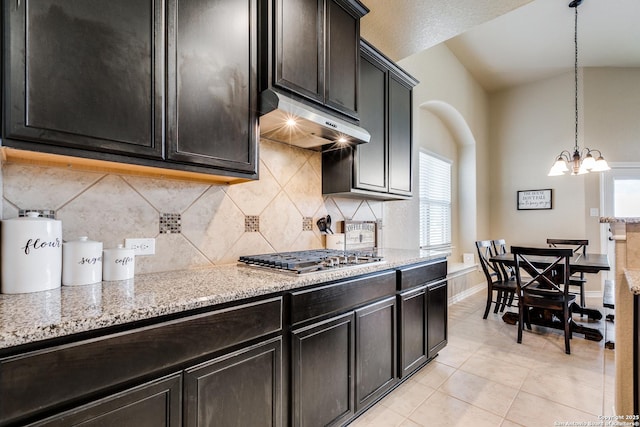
484	378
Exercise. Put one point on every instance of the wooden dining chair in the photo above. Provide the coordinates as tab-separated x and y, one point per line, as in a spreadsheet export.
579	246
544	286
504	289
508	272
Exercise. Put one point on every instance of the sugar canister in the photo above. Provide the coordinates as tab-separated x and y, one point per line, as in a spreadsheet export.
81	262
31	254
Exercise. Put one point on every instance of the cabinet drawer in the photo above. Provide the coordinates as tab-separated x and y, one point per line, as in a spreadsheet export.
154	404
421	273
41	379
340	297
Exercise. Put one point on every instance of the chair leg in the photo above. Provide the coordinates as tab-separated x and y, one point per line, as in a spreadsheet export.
567	329
489	295
498	299
520	320
503	300
511	297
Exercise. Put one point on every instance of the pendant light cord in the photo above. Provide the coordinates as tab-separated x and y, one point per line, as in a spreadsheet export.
575	70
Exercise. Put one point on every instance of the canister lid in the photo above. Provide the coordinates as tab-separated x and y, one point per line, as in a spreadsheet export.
30	216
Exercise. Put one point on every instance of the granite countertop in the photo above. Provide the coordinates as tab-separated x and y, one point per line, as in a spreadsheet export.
627	220
633	279
28	318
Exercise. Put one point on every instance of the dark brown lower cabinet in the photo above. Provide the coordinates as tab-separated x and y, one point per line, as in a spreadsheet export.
412	344
240	389
323	361
436	317
423	325
375	351
154	404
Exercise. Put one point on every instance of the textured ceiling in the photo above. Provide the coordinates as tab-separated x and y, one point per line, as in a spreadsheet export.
508	42
400	28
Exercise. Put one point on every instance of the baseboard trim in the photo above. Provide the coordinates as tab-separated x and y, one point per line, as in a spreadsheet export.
467	293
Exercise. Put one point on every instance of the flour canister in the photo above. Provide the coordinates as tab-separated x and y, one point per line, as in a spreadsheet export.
31	254
81	262
118	263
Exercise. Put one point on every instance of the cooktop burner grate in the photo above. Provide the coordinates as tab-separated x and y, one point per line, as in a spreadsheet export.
299	262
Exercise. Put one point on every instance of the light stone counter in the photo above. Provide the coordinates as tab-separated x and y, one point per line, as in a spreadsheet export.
633	279
28	318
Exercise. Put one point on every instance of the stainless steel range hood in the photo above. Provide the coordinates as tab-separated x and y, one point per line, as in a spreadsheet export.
313	128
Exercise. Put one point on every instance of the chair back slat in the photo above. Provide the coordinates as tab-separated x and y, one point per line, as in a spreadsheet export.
578	245
553	275
500	248
485	252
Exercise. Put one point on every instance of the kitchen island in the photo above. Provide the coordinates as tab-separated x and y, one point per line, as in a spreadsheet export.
184	336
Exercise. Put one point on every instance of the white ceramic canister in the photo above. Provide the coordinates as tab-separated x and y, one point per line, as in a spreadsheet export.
118	263
31	254
81	262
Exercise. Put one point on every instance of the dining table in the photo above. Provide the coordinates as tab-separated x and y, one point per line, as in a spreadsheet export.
592	263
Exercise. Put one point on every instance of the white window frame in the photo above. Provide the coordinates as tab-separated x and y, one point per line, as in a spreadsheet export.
435	196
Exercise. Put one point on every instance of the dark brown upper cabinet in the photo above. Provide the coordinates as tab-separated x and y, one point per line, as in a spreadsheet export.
314	51
85	74
156	83
382	168
212	82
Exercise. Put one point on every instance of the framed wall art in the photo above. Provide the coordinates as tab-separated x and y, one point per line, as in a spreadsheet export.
535	199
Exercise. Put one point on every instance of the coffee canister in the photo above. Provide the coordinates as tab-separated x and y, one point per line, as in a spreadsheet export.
118	263
81	262
31	254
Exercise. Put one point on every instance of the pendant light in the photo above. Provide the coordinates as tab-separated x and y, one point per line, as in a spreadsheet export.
582	160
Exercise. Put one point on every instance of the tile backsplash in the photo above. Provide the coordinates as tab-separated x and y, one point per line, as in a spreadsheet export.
203	224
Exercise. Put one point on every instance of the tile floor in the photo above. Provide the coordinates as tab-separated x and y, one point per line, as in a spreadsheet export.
484	378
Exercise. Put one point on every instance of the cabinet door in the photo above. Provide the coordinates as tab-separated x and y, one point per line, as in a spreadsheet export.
400	147
436	317
413	333
299	47
153	404
85	74
375	351
212	83
370	166
323	372
342	41
241	389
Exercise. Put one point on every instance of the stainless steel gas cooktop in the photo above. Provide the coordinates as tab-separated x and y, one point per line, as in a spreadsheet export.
301	262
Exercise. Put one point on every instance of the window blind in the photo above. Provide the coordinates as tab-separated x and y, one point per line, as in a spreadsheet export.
435	202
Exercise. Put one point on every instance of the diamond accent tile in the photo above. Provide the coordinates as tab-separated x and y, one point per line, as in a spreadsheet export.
44	213
170	223
251	224
348	207
307	223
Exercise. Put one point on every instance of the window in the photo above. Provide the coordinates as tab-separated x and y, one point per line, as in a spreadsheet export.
435	202
626	201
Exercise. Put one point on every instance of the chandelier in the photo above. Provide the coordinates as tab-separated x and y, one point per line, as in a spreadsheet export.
584	160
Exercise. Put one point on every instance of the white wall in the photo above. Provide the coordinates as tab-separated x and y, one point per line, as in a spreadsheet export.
443	78
531	124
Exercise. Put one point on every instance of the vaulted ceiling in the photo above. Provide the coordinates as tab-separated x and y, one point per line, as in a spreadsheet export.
509	42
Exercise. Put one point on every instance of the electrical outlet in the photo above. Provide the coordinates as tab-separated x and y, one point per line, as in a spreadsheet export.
141	246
